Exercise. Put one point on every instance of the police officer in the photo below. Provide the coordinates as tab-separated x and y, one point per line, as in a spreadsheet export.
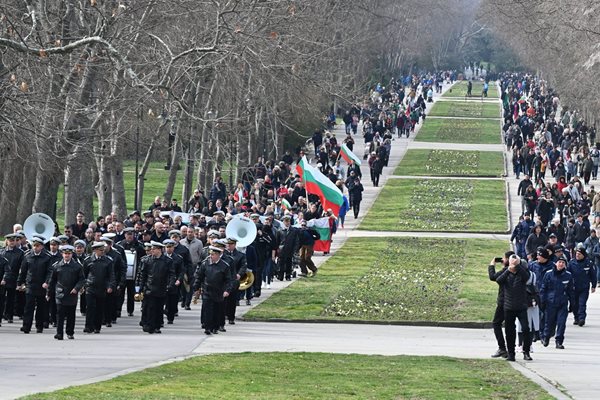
237	261
130	244
14	255
117	256
213	281
173	291
66	279
584	275
32	279
100	281
157	277
80	256
556	292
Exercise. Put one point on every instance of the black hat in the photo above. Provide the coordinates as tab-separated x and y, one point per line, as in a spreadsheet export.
562	258
552	235
134	212
558	248
543	253
581	249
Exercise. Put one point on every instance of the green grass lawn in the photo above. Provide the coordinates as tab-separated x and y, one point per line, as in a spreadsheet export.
439	205
470	109
460	90
394	279
423	162
483	131
314	376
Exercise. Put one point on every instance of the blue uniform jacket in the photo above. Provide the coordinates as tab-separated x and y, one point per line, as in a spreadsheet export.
584	273
557	288
540	270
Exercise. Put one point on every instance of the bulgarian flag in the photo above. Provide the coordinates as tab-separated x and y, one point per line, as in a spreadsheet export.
348	155
286	204
319	184
321	225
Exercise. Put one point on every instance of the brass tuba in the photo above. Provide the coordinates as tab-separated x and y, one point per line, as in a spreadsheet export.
246	280
40	225
243	229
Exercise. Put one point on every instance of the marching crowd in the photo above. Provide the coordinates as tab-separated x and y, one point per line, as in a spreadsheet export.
167	258
555	265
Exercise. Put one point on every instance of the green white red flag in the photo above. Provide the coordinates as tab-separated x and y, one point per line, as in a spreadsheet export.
317	183
348	155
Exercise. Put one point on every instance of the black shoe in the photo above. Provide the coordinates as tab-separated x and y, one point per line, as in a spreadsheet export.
115	321
177	314
248	303
157	331
222	329
58	337
287	278
130	314
582	322
510	357
536	336
526	356
10	321
231	322
39	331
109	325
170	322
545	342
24	330
500	353
188	308
279	277
86	330
560	346
575	322
214	331
207	332
46	325
257	293
96	330
71	337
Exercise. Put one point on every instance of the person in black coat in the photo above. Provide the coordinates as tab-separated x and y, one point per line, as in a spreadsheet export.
117	255
100	281
34	269
66	279
499	313
213	281
173	290
132	245
356	195
237	260
14	256
514	289
157	277
289	243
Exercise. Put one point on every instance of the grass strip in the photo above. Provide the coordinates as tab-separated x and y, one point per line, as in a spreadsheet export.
424	162
431	205
392	280
469	131
314	376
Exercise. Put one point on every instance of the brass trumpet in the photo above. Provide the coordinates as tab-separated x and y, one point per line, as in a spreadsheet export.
138	297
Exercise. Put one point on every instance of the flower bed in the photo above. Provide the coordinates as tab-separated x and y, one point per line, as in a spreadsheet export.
460	131
471	109
418	162
439	205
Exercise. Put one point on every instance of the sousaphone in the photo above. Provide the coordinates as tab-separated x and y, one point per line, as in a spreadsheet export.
38	224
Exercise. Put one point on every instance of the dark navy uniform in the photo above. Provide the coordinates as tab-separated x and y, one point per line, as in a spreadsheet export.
100	276
34	271
555	294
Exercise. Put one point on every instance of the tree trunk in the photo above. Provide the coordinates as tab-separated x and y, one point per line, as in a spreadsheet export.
104	184
26	197
8	211
142	173
119	203
46	188
203	164
168	194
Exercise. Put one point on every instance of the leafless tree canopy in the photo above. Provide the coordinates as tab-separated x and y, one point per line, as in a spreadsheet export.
226	80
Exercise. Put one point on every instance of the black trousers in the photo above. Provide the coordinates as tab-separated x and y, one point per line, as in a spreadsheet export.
231	304
51	309
19	303
82	304
356	208
211	311
110	308
39	304
284	266
95	311
9	302
130	287
171	305
65	312
154	316
2	301
497	324
510	317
